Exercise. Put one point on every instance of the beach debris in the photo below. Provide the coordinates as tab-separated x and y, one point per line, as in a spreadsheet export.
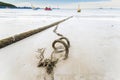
60	52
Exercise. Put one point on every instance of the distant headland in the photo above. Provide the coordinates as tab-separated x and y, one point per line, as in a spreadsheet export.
4	5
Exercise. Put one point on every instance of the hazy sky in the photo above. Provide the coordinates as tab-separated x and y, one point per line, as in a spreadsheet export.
54	1
68	3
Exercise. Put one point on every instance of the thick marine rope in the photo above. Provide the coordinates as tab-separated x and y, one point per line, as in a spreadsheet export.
15	38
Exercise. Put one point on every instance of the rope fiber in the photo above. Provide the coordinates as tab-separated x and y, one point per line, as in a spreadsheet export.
60	46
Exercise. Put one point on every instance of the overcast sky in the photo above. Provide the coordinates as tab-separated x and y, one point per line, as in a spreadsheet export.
67	3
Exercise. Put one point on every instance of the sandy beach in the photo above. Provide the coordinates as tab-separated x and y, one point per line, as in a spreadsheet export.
94	35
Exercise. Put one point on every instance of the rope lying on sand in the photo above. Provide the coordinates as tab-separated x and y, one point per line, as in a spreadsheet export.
62	40
60	46
10	40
